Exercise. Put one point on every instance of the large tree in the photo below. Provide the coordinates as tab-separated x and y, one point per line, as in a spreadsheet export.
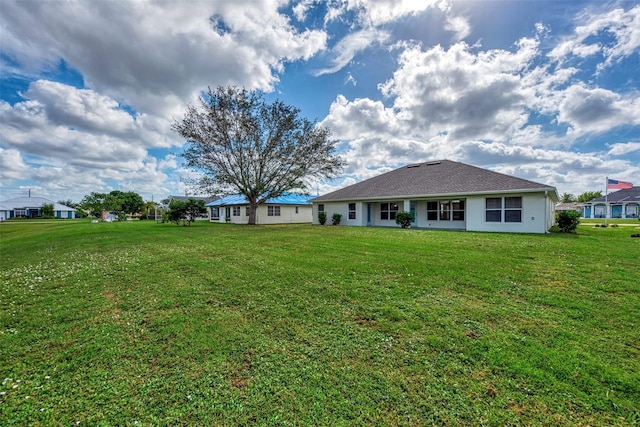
240	143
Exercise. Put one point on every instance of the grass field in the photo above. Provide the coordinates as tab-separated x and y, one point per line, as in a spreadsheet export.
139	323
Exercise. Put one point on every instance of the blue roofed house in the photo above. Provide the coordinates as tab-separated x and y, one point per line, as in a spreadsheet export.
445	195
619	204
286	209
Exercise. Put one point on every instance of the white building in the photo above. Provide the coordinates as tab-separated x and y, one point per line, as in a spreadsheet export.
286	209
30	207
444	195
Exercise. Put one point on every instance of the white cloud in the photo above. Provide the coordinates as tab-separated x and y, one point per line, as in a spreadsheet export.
596	109
622	25
476	106
466	94
78	140
456	101
459	26
13	165
300	10
377	12
79	108
350	45
156	56
622	148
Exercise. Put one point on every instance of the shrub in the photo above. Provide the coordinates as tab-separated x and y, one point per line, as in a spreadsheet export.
47	210
404	219
322	217
568	221
336	218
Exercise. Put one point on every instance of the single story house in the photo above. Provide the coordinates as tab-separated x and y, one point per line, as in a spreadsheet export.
4	212
30	207
444	195
619	204
569	206
286	209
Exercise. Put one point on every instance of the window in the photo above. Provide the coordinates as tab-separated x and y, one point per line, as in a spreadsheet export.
321	207
215	213
236	211
432	211
296	210
273	210
388	210
457	207
493	209
247	211
352	211
445	213
445	210
513	209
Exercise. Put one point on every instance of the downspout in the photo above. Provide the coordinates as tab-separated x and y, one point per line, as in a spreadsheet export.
546	209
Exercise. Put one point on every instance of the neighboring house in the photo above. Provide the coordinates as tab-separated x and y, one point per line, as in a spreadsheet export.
30	207
444	195
619	204
286	209
206	200
4	212
569	206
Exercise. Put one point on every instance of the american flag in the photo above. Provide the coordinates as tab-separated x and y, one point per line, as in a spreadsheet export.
618	185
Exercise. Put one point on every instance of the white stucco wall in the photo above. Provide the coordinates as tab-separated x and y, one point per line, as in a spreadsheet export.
288	215
537	214
342	209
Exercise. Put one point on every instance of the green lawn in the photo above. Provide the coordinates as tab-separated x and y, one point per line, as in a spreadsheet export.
155	324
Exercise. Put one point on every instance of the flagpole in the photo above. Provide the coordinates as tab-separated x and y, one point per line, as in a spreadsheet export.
606	199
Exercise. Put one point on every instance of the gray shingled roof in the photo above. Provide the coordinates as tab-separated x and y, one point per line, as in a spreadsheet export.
628	195
437	178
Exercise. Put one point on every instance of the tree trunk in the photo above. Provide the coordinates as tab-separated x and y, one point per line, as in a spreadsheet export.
253	209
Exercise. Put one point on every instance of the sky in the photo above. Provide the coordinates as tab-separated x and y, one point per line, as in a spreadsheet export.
543	90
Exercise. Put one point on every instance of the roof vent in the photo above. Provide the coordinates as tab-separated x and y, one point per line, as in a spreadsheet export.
432	163
415	165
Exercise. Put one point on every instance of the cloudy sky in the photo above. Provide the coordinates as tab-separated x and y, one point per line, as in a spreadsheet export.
544	90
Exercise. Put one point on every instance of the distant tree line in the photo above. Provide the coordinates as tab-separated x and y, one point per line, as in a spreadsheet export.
582	198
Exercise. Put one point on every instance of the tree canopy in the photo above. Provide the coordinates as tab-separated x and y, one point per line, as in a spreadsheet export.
47	210
239	143
116	201
589	195
186	211
567	198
